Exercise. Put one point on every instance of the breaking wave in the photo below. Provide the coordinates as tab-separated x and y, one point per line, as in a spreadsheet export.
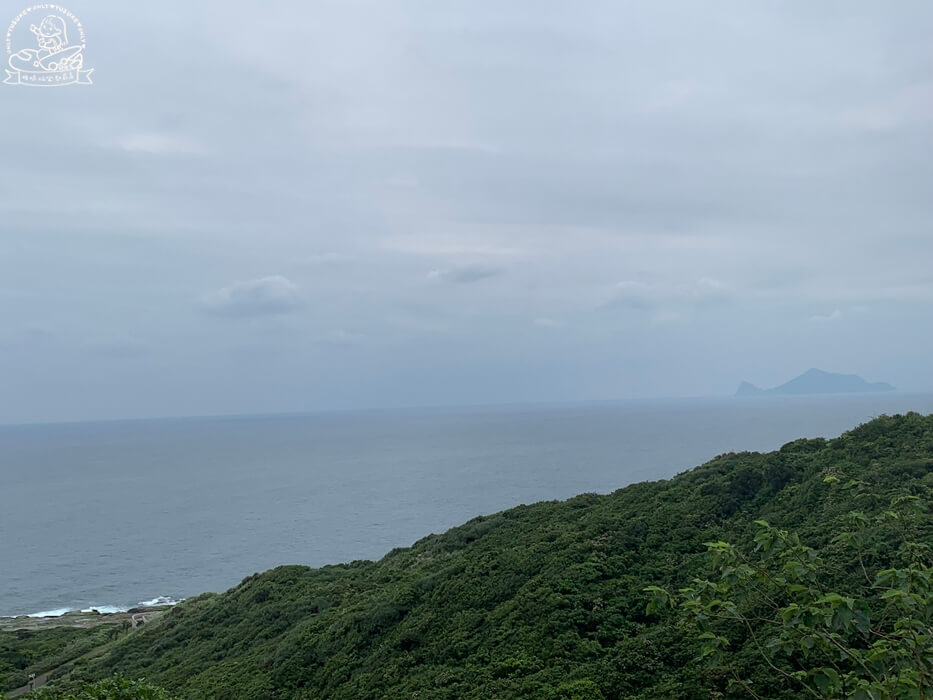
107	609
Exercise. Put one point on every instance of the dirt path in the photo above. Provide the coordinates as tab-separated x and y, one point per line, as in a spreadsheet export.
38	682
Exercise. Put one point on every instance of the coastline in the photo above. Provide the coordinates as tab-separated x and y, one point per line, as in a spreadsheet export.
89	617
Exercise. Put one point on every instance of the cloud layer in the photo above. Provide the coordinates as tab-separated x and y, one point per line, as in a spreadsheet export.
465	274
266	296
457	202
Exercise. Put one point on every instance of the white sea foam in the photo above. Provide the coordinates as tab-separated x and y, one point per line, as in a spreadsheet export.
107	609
160	600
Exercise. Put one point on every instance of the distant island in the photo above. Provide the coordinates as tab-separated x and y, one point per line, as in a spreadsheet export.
816	381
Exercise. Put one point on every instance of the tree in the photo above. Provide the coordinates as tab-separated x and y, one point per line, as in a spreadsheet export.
115	688
874	641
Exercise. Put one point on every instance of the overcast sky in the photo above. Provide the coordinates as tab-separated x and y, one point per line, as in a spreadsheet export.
287	206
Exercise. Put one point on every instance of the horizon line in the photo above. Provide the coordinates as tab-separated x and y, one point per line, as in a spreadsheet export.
438	407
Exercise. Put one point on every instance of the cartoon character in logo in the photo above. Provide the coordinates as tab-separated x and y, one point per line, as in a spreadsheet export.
54	53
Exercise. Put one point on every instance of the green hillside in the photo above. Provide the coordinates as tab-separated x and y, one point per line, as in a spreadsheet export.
540	601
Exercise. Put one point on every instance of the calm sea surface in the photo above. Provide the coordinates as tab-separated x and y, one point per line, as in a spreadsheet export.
114	514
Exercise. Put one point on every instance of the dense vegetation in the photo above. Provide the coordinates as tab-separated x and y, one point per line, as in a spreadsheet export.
23	652
873	641
116	688
549	600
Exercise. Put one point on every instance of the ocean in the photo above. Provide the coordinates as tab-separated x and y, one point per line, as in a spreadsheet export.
110	515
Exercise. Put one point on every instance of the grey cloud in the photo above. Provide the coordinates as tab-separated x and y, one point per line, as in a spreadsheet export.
835	315
635	294
343	337
329	258
32	335
160	143
117	348
267	296
465	274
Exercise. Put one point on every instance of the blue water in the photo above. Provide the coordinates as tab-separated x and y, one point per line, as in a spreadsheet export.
117	513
